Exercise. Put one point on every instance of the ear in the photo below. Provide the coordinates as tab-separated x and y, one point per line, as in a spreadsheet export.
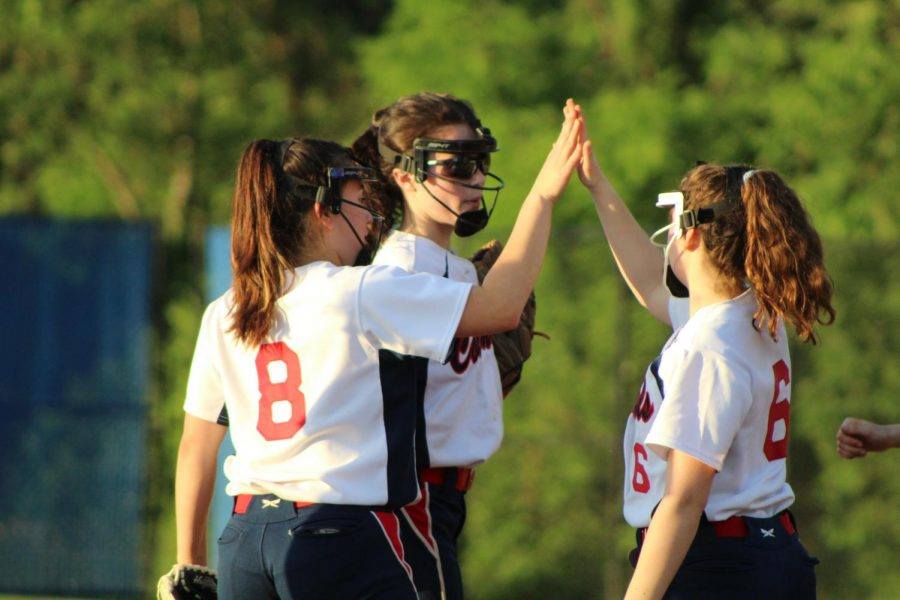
405	181
692	239
323	218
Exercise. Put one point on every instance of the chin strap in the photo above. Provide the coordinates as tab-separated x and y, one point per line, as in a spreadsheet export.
470	222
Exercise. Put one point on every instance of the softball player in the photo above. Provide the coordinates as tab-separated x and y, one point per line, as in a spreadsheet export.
310	358
435	155
706	442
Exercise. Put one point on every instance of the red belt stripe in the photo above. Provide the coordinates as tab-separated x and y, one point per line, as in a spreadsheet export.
736	527
438	475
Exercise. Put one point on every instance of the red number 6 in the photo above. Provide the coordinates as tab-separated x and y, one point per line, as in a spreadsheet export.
778	411
272	392
640	481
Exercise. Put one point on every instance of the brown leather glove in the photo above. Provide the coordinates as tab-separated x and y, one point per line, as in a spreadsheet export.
187	582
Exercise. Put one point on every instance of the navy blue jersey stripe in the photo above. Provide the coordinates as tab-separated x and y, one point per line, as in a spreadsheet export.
400	394
423	458
223	416
654	370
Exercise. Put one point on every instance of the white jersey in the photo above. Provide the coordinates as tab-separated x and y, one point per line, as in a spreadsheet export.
463	401
720	391
325	411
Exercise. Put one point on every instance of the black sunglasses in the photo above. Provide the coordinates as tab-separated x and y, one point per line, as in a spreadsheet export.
463	166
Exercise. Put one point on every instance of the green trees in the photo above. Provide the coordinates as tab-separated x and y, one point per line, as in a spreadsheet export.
140	110
806	88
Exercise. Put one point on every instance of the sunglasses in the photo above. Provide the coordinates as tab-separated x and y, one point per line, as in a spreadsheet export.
463	166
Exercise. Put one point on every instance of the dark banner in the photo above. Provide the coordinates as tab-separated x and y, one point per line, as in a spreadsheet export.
75	326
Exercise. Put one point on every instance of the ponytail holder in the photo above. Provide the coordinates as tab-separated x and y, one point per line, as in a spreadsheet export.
287	180
283	148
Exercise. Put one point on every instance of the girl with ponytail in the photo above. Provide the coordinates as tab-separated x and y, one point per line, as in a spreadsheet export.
707	440
433	155
306	359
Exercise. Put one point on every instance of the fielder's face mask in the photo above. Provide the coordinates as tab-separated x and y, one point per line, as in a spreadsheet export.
329	196
469	156
683	220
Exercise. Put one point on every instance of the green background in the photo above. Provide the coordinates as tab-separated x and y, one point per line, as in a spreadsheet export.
132	110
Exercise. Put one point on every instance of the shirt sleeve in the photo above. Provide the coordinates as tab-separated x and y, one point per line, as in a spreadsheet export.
205	396
410	313
679	312
704	406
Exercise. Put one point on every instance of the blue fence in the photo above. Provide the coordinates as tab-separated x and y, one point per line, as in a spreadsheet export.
74	365
218	280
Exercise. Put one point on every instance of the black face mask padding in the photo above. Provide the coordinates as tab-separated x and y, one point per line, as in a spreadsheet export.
676	288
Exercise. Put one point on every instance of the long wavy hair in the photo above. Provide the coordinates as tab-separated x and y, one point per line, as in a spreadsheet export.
767	241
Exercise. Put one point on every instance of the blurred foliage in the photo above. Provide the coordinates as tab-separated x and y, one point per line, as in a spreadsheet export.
140	110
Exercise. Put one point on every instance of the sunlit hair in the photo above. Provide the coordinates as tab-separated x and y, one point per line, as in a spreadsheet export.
398	125
767	241
269	226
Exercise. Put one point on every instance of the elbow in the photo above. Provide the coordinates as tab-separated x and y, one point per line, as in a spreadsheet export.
194	445
510	322
691	502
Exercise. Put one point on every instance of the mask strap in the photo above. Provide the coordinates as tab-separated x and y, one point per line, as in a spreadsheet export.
494	188
390	155
353	229
658	233
666	262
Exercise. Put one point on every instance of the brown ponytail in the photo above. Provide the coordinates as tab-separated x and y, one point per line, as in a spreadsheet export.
396	126
269	225
766	240
784	262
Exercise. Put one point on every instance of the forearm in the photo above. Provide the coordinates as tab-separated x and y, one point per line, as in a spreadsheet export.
497	305
194	484
513	276
639	261
893	435
671	532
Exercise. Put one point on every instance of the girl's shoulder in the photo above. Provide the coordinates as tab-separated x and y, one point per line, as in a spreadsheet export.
418	254
725	328
321	282
399	249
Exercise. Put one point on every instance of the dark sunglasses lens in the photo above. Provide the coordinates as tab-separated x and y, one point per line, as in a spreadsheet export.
466	167
460	167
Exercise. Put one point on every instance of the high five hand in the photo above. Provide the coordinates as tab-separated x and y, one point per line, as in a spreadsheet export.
563	157
589	171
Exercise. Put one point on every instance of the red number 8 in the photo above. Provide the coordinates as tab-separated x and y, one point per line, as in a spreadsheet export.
271	392
779	410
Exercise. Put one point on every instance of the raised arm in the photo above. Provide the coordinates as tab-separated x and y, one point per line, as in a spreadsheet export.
497	305
639	261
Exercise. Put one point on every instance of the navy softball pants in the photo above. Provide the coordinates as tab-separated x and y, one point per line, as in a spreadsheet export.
430	530
273	549
768	563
